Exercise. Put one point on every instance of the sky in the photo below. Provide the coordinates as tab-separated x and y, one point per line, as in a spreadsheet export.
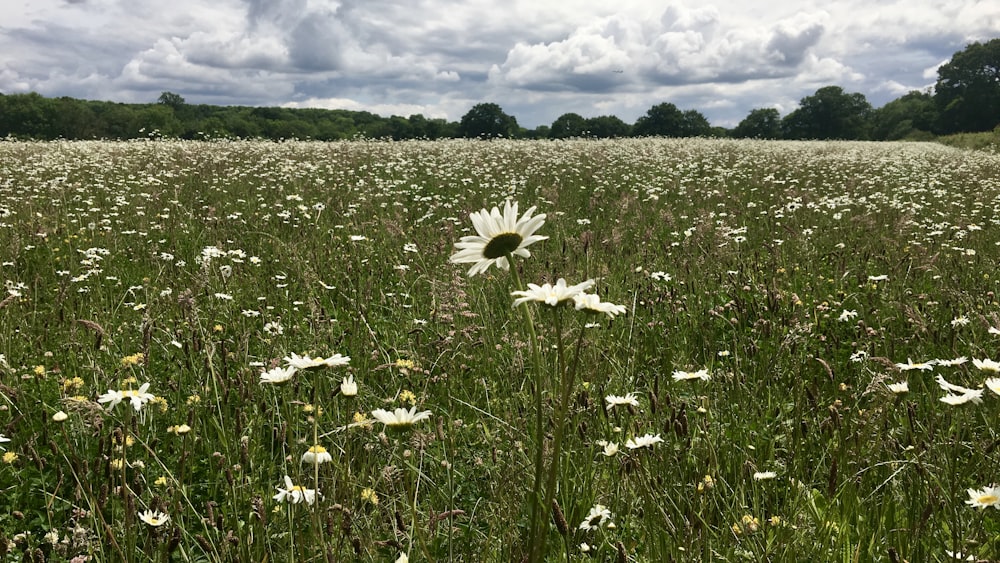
537	59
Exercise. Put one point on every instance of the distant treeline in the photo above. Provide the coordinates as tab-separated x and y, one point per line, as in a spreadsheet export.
966	98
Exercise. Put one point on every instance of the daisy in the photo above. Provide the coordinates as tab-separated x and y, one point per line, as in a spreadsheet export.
987	364
846	315
316	454
549	294
277	375
3	439
348	387
615	400
306	362
684	375
294	493
899	388
910	365
952	363
764	475
598	515
154	518
610	449
974	395
592	303
138	397
994	384
498	235
400	418
951	387
646	441
987	496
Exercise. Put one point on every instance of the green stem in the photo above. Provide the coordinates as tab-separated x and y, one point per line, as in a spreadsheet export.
535	500
316	414
567	378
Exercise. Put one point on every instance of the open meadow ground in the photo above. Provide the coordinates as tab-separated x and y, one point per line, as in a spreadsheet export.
203	346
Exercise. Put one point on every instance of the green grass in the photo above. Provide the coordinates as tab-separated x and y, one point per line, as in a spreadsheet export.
766	244
987	140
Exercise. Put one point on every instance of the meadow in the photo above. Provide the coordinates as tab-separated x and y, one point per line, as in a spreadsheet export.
194	337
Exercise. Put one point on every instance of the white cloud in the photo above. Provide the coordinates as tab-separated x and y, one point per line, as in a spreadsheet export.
539	59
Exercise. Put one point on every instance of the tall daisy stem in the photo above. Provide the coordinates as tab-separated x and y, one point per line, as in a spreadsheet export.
567	378
536	508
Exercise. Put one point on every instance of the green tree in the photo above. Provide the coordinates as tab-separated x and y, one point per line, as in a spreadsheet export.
830	113
666	120
967	92
607	126
568	125
27	115
760	123
171	99
660	120
158	121
487	120
694	124
913	114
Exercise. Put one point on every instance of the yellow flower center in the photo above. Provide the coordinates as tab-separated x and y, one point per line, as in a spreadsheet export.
502	245
988	499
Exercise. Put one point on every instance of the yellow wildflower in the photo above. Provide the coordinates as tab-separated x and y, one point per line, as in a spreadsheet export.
133	360
369	495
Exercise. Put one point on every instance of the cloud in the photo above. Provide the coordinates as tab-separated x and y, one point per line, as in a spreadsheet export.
684	46
539	59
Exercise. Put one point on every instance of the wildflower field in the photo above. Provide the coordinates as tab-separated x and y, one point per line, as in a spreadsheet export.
629	350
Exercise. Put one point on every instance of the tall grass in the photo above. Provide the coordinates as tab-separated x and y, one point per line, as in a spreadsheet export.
797	274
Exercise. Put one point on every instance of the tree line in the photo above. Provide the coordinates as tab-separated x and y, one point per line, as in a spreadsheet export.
966	98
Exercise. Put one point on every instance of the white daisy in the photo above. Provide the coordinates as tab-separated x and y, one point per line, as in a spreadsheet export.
549	294
154	518
400	418
592	302
911	365
294	493
899	388
277	375
764	475
138	397
993	384
307	362
596	518
684	375
987	364
951	387
615	400
974	395
348	387
985	497
497	235
646	441
846	315
316	454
